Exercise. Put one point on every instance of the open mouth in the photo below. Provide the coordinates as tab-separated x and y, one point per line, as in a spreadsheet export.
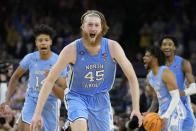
92	35
43	48
145	65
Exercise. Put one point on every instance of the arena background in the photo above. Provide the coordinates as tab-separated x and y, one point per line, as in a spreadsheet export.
135	24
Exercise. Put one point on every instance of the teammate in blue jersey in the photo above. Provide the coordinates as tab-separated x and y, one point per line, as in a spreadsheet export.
93	59
38	64
162	81
183	71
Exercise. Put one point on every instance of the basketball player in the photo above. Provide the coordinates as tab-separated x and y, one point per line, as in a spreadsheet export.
38	63
93	59
162	81
183	71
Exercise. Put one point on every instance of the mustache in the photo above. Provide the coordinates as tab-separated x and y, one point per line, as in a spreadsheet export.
85	36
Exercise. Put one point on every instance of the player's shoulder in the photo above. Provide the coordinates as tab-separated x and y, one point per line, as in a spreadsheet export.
31	55
185	65
54	54
166	72
69	49
185	61
110	41
71	45
113	44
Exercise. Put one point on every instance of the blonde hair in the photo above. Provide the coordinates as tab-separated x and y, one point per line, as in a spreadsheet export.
98	14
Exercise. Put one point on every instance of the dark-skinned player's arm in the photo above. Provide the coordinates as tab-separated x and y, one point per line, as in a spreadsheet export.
154	104
12	86
59	86
169	79
187	69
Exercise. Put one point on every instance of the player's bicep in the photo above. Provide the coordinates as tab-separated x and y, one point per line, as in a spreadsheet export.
169	78
19	72
187	69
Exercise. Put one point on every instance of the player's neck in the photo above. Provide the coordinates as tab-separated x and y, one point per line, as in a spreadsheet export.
87	43
170	60
94	48
45	56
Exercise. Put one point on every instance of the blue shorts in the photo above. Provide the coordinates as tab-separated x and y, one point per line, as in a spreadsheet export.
189	122
95	109
50	113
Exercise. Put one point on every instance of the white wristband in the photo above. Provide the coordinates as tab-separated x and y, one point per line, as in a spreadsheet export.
175	97
191	90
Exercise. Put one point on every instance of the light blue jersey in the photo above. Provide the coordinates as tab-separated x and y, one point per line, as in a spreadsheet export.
189	122
176	119
93	74
92	78
37	68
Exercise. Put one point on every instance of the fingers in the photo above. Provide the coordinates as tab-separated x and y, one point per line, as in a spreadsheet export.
32	126
140	120
36	125
131	117
139	116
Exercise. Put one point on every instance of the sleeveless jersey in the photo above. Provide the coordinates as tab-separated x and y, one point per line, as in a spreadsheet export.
176	68
93	74
37	67
161	90
189	122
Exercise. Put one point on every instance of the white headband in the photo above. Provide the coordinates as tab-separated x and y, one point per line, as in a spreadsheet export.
92	14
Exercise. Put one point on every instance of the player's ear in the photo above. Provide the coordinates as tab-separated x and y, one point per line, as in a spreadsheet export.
82	27
51	42
36	42
174	48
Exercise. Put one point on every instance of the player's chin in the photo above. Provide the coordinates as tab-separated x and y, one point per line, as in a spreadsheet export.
167	53
43	52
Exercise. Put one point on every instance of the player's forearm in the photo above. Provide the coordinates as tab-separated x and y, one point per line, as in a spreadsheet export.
58	92
190	90
134	88
43	95
11	88
154	105
175	98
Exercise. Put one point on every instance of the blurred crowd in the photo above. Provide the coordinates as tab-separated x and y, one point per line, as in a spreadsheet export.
134	24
